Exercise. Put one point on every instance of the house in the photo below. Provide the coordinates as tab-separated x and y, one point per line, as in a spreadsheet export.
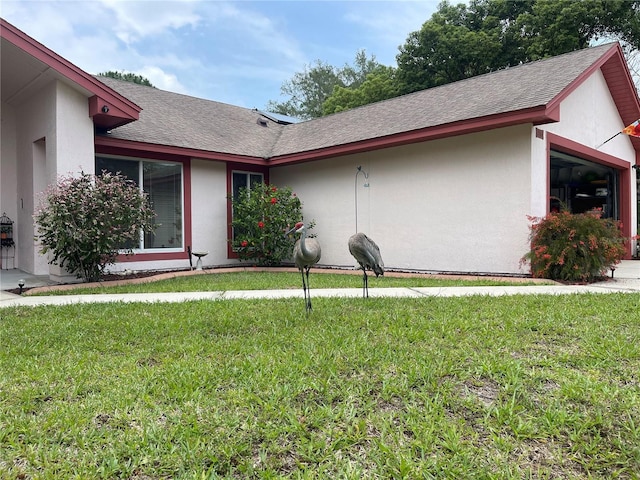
444	179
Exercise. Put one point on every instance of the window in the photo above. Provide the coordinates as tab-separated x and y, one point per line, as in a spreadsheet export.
162	181
242	180
582	185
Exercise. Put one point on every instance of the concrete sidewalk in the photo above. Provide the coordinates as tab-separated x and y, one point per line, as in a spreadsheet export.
626	279
622	285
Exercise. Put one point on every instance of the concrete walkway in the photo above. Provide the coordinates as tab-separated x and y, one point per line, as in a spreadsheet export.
626	278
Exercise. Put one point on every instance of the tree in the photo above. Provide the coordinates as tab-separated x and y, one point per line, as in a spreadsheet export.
555	27
462	41
379	85
127	77
309	89
87	221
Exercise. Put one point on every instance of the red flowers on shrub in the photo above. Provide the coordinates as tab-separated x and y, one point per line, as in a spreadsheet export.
260	218
574	247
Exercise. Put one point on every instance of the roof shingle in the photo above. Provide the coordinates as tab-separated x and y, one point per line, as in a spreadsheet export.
183	121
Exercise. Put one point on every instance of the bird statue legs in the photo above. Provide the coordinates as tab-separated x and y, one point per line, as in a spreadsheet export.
365	283
306	289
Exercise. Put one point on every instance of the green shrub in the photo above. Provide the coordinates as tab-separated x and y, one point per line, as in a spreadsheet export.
574	247
87	221
262	215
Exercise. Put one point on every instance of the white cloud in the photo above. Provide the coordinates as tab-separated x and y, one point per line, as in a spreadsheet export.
161	79
390	23
138	19
238	52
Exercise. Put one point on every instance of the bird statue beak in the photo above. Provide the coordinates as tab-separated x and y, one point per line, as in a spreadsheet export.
295	227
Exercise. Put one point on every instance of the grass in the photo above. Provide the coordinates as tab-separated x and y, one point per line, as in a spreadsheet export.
274	280
454	388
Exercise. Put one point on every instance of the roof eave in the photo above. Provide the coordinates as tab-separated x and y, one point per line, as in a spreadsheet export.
620	83
120	109
107	144
535	116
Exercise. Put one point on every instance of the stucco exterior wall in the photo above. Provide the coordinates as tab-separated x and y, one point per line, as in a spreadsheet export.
457	205
209	202
588	116
8	169
54	137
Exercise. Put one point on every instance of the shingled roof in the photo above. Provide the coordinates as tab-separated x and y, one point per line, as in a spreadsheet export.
529	93
188	122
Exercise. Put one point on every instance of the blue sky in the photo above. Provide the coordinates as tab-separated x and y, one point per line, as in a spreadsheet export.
237	52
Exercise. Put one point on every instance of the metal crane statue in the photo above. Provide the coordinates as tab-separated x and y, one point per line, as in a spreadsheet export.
367	254
306	253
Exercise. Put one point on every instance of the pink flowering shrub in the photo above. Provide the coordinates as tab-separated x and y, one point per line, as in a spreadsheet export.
574	247
261	217
86	221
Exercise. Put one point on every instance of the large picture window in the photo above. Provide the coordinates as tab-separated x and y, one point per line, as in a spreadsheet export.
162	181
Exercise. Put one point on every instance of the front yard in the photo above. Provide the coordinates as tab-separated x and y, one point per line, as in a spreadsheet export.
475	387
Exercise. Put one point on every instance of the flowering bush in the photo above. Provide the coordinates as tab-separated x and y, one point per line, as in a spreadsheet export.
574	247
262	216
86	221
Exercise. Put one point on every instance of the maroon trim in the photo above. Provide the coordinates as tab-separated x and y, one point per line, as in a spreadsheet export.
186	199
561	144
125	110
140	147
238	167
537	116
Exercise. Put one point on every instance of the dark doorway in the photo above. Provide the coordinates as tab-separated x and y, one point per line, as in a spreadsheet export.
582	185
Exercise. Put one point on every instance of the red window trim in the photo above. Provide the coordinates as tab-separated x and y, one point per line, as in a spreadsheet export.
238	167
186	199
564	145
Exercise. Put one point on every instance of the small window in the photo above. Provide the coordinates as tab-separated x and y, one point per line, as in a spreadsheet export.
242	180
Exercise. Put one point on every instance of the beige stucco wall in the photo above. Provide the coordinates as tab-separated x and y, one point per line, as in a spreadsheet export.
457	204
8	167
588	116
51	134
209	203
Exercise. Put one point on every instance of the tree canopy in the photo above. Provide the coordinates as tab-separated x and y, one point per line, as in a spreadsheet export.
308	90
127	77
461	41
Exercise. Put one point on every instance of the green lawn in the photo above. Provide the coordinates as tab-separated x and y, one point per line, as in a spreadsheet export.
278	280
459	388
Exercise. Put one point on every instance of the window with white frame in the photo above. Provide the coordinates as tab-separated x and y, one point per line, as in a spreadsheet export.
162	182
